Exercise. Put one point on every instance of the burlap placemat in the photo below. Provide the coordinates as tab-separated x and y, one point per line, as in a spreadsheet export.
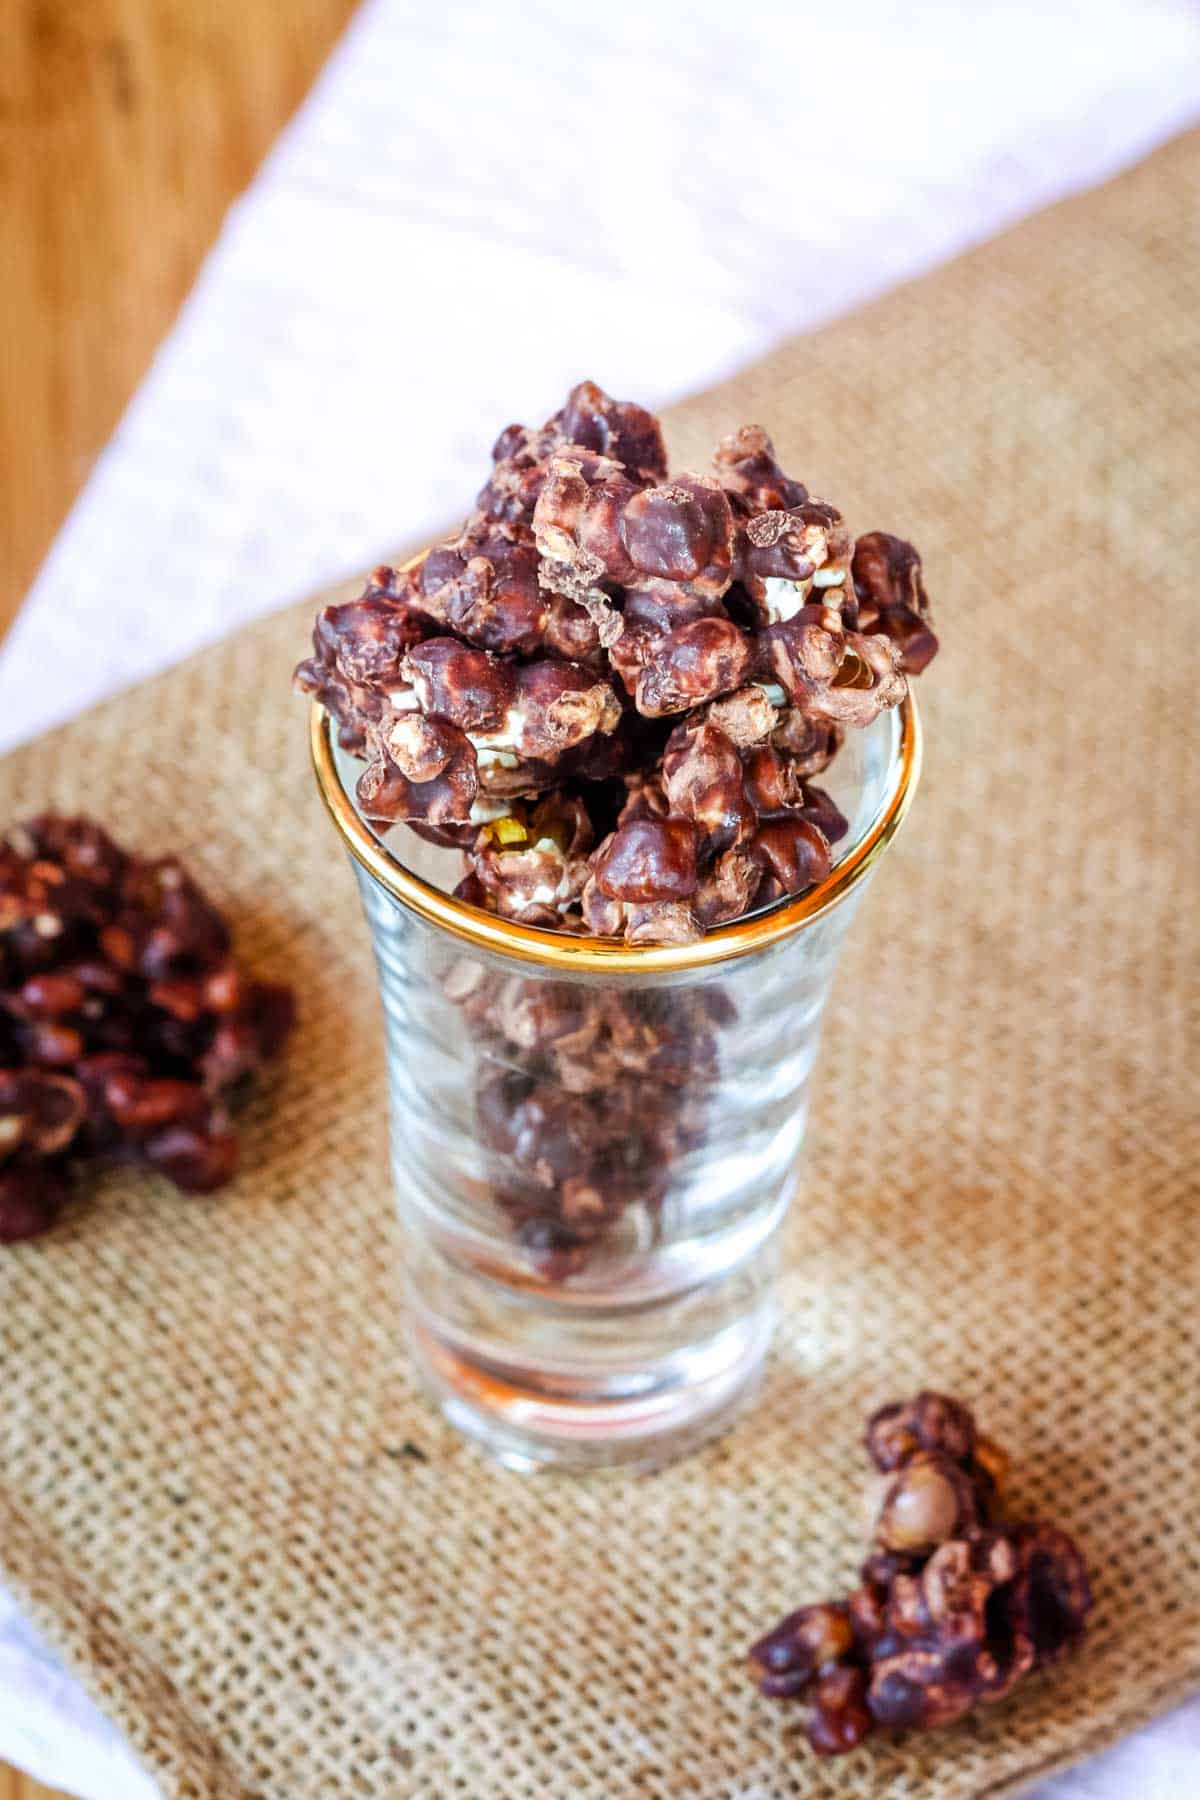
221	1497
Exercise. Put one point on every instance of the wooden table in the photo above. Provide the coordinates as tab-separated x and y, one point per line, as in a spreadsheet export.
126	128
22	1787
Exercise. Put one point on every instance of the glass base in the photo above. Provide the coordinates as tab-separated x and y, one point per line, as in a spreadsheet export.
562	1417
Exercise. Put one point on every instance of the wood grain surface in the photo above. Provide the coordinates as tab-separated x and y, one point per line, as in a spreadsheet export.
126	128
14	1786
23	1787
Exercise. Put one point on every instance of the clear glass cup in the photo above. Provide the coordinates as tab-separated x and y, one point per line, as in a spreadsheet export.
593	1145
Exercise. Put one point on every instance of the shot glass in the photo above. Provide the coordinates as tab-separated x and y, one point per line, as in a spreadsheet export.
594	1144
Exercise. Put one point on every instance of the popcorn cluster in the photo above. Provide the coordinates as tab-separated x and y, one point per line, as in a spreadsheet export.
126	1026
587	1099
954	1605
613	689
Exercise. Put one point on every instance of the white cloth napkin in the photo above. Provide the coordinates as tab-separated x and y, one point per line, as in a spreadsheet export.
477	206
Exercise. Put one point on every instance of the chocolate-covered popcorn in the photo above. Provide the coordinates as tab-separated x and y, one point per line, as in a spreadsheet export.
531	864
422	771
594	524
591	421
748	471
485	588
892	599
954	1606
931	1423
126	1025
585	1100
706	638
358	650
832	675
921	1504
617	428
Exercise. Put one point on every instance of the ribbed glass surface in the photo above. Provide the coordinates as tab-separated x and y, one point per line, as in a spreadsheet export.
590	1167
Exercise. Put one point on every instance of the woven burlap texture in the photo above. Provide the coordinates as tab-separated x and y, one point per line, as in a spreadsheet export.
221	1497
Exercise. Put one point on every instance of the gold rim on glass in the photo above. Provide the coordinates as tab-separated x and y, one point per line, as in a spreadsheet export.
553	949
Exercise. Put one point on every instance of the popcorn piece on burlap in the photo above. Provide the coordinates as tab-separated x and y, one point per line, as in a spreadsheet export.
220	1495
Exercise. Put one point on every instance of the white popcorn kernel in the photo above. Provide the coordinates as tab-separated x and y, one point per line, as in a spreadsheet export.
783	599
506	737
483	811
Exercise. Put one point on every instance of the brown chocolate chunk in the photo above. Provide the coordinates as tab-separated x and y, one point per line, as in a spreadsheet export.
32	1194
728	887
40	1112
802	549
1055	1595
468	687
810	745
793	852
681	531
799	1647
835	676
559	706
441	790
932	1423
616	428
840	1718
705	782
368	639
747	469
690	665
648	860
892	598
485	588
577	523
